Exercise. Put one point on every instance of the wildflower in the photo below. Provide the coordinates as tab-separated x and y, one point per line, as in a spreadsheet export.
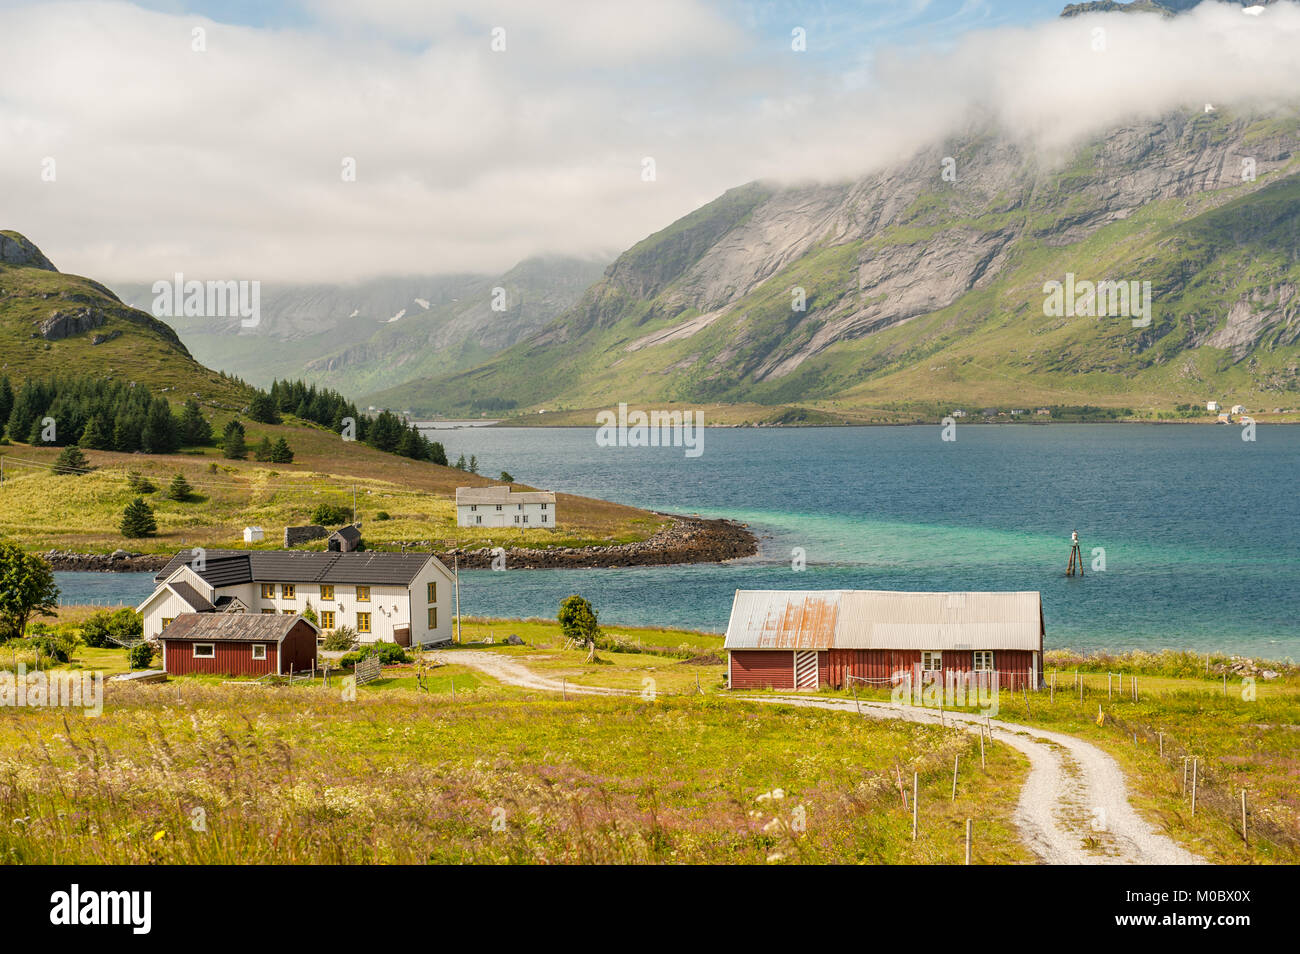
159	835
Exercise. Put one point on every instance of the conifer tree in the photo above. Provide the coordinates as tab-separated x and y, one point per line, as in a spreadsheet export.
138	520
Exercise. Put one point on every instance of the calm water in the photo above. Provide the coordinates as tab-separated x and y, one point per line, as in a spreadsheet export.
1200	529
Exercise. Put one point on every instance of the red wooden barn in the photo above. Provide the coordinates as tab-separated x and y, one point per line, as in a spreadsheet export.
238	644
804	639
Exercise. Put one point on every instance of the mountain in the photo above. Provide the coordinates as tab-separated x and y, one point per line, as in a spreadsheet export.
376	334
922	292
52	323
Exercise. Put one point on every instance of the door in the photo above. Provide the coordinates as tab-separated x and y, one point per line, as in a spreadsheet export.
805	669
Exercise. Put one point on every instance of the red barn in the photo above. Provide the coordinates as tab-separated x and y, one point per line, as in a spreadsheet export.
238	644
804	639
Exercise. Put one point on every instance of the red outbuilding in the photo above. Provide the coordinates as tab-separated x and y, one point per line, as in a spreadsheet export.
804	639
238	644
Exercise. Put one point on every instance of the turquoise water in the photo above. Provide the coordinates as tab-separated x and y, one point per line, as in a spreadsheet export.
1200	529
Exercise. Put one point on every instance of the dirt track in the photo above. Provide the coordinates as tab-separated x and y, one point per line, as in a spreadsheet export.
1073	808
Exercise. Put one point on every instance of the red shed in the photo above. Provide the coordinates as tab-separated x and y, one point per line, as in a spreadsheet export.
804	639
238	644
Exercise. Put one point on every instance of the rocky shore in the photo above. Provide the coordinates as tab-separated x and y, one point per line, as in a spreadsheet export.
686	540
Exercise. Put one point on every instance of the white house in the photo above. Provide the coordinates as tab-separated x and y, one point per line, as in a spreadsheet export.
504	507
404	598
1212	406
1238	409
253	535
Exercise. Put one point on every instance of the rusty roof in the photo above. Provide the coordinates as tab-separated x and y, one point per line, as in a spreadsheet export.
884	619
236	627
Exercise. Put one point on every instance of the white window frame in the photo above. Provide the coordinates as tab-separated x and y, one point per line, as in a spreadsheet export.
987	665
931	660
256	647
211	651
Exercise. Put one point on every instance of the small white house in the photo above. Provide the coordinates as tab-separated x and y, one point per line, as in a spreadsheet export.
1212	407
1238	409
253	535
505	507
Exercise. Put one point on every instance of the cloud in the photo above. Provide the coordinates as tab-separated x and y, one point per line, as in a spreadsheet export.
227	163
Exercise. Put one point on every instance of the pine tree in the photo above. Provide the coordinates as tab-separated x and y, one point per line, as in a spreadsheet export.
179	489
281	452
71	461
264	450
195	431
460	462
473	464
6	401
95	436
137	519
160	435
232	443
262	409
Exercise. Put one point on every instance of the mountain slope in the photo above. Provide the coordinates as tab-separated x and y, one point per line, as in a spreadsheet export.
52	323
377	334
921	291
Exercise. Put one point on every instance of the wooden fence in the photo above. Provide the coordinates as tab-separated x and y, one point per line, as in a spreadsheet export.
368	670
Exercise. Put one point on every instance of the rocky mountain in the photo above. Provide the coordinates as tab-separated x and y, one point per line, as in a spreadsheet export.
52	323
379	333
924	284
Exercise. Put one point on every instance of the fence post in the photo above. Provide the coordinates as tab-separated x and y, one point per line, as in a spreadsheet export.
1162	744
955	760
982	768
1244	840
1110	692
968	841
1193	787
916	797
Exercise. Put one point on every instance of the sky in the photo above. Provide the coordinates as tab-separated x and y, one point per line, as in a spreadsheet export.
336	140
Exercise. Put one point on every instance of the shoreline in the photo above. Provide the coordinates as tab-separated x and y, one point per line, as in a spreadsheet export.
687	540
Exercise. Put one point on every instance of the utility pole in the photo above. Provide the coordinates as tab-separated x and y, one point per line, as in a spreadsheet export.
455	562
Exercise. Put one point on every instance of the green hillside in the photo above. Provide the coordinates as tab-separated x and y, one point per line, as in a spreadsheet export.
922	294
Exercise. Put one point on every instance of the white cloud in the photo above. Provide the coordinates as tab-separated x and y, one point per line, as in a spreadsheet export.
227	163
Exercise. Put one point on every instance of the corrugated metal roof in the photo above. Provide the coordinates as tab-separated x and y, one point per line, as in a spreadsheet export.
883	619
257	627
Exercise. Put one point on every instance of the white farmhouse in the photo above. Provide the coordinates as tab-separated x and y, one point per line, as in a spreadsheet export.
504	507
404	598
1212	406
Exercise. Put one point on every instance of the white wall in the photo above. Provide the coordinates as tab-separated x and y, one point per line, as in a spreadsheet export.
510	515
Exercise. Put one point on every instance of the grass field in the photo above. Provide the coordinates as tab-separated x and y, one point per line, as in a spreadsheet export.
41	511
192	773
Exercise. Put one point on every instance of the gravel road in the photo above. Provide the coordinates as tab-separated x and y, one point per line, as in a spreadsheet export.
1073	809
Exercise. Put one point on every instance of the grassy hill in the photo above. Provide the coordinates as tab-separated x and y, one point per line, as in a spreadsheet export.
56	324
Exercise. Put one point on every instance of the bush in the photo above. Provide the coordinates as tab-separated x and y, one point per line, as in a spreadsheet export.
140	656
99	630
382	515
139	484
341	639
179	489
138	520
331	515
388	653
56	647
72	461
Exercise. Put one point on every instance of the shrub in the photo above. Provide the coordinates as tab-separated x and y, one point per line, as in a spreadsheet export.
388	653
138	484
179	489
331	515
382	515
71	461
56	647
101	628
343	638
140	656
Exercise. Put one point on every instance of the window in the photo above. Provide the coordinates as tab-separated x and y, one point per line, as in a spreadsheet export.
478	519
516	518
259	650
268	591
525	518
327	619
268	612
433	617
204	651
363	594
287	590
543	518
167	621
473	507
433	593
326	592
983	660
498	506
363	622
931	661
544	506
288	612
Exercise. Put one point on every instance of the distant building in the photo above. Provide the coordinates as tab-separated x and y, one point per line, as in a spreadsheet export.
989	412
1016	412
1043	412
1225	418
504	507
253	535
1212	406
344	539
1238	409
959	413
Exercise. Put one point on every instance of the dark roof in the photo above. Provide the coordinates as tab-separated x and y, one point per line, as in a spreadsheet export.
349	533
198	602
230	567
232	627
